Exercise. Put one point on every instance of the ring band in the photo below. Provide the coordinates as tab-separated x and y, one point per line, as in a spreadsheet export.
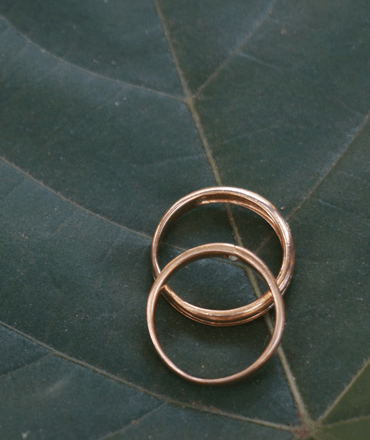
255	203
212	250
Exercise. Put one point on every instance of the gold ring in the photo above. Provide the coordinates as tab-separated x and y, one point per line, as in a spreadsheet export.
255	203
212	250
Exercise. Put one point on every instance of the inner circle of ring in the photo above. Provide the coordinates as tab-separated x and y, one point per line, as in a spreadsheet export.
207	251
255	203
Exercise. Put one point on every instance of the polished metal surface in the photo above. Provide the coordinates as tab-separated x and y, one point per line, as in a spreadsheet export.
255	203
208	251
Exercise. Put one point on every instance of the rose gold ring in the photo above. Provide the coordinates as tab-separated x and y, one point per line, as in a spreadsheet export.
207	251
255	203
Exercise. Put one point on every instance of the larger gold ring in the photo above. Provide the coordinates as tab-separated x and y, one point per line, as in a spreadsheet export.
248	200
211	250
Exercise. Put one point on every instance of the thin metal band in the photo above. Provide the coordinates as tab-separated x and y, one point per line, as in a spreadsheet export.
207	251
255	203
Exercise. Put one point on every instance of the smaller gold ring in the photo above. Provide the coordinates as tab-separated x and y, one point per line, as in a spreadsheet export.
207	251
246	199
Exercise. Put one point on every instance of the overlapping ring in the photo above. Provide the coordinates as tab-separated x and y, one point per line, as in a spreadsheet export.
255	203
230	317
212	250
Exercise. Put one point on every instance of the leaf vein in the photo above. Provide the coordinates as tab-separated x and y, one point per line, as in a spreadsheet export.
355	177
256	60
331	167
237	50
134	422
190	101
82	69
345	391
25	366
343	422
144	390
76	205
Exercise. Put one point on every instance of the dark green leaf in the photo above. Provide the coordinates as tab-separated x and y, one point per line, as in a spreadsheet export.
111	111
358	429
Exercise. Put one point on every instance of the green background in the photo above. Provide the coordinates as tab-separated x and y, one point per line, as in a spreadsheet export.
111	110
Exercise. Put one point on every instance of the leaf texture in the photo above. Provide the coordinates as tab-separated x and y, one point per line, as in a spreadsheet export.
112	111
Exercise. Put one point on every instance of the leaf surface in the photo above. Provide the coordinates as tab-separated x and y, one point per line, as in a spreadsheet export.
112	111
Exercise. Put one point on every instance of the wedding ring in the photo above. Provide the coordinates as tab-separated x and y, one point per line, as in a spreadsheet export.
207	251
255	203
